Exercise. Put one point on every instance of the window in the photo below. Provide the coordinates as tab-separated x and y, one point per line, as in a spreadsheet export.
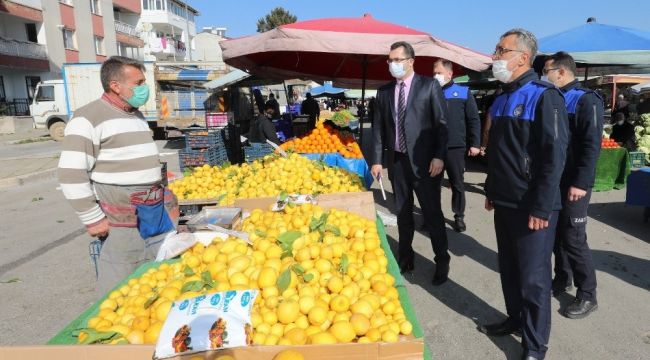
95	7
159	5
99	45
31	82
145	4
30	28
45	93
68	39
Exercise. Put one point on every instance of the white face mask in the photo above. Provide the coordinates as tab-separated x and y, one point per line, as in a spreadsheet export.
545	78
620	122
441	79
500	71
397	69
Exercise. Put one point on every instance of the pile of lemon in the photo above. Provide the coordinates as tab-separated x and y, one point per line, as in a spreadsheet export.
265	177
322	277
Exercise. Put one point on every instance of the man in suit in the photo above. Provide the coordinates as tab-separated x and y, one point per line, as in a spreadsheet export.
410	139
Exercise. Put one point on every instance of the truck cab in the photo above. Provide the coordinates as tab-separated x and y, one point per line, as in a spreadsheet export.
49	108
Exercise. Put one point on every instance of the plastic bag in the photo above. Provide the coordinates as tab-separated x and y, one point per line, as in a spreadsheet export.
207	322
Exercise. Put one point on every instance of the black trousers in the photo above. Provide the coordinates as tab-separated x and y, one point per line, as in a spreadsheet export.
525	270
572	254
455	168
427	190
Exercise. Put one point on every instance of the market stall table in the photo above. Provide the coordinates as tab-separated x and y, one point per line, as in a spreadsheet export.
612	169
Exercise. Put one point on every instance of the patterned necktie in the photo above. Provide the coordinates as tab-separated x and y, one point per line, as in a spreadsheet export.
401	113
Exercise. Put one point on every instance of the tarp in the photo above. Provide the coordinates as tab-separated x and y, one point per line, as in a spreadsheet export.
325	90
612	169
594	43
641	88
638	188
358	166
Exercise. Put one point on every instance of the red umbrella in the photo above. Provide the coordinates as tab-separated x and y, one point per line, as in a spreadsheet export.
346	51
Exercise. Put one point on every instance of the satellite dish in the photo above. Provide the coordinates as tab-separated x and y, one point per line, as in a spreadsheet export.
147	26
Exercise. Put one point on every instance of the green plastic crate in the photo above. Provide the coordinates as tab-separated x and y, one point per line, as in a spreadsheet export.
637	159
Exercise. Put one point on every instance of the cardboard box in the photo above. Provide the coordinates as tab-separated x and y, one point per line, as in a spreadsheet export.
409	349
362	203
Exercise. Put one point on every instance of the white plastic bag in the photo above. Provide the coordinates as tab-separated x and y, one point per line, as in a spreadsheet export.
176	243
207	322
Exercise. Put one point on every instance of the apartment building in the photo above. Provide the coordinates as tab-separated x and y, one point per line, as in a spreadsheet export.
168	29
38	36
23	53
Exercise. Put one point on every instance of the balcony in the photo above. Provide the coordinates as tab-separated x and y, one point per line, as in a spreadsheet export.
23	55
22	49
127	29
167	46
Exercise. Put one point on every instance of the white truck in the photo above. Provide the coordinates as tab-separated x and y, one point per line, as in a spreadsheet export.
56	100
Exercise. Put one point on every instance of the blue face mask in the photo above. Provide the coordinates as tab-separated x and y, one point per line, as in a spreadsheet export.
139	97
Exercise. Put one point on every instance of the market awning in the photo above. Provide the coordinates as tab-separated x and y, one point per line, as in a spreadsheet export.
227	80
188	74
356	93
599	44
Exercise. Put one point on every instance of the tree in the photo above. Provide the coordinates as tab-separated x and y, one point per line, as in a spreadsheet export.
278	16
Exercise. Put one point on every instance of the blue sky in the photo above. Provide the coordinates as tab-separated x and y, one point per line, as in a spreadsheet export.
474	24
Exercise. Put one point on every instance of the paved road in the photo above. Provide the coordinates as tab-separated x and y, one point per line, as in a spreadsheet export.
42	244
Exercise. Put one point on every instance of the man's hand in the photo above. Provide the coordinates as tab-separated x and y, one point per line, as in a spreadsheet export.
98	229
535	223
473	151
375	170
489	206
576	194
436	166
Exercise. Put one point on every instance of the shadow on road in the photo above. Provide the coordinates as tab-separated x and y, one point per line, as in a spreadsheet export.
461	300
632	270
628	219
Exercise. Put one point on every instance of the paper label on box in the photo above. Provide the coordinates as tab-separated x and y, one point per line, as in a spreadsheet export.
207	322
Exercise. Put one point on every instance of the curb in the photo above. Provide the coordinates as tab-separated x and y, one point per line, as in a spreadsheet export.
31	178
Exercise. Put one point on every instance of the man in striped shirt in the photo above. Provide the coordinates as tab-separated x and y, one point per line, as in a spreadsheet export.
108	165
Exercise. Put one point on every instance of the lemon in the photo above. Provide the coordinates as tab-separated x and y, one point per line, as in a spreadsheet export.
288	312
360	324
152	333
267	277
373	334
317	315
140	323
322	338
110	304
340	303
270	317
389	336
306	303
343	331
135	337
121	329
405	327
335	284
238	279
162	310
297	336
289	355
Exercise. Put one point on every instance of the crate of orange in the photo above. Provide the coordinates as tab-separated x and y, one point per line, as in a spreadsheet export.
325	139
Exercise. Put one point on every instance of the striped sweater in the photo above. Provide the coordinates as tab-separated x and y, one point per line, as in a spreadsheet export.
106	145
